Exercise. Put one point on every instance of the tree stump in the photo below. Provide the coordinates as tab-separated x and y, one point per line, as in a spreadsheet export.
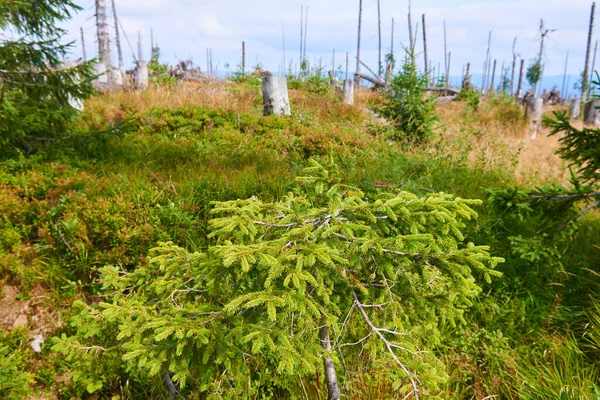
349	91
101	72
117	76
575	109
74	102
141	75
533	113
275	95
591	114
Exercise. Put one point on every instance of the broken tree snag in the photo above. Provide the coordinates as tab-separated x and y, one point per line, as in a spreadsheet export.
333	392
575	109
101	76
349	92
591	114
520	86
275	95
533	113
141	75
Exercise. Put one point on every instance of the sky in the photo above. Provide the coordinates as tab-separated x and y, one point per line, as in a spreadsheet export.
184	29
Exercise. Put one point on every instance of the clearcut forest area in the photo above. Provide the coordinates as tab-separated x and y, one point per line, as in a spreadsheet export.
172	232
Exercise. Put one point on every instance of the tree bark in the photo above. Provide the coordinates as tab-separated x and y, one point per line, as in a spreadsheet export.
379	33
301	34
243	58
83	46
305	32
445	54
141	75
448	70
425	47
103	37
349	92
275	95
333	392
493	78
520	86
118	39
584	84
575	109
358	41
533	113
591	114
593	67
486	65
563	92
514	66
410	34
467	79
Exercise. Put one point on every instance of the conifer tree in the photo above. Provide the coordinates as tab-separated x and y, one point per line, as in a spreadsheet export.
373	275
34	89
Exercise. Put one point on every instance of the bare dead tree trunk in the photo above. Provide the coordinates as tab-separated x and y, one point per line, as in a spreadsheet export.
301	33
467	79
575	108
563	91
533	113
333	392
514	65
275	95
83	46
379	33
118	37
520	86
591	113
347	62
493	78
243	58
425	47
584	84
501	80
448	70
103	36
151	42
486	65
141	75
348	91
392	41
445	54
305	32
358	41
593	68
140	57
410	33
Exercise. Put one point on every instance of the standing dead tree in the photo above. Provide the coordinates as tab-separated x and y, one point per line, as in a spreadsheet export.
543	33
593	68
379	33
410	34
83	46
520	86
445	54
584	84
425	47
514	65
493	78
358	41
486	64
103	36
118	37
564	87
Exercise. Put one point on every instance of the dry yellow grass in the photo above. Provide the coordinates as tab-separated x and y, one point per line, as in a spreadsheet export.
499	136
214	94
